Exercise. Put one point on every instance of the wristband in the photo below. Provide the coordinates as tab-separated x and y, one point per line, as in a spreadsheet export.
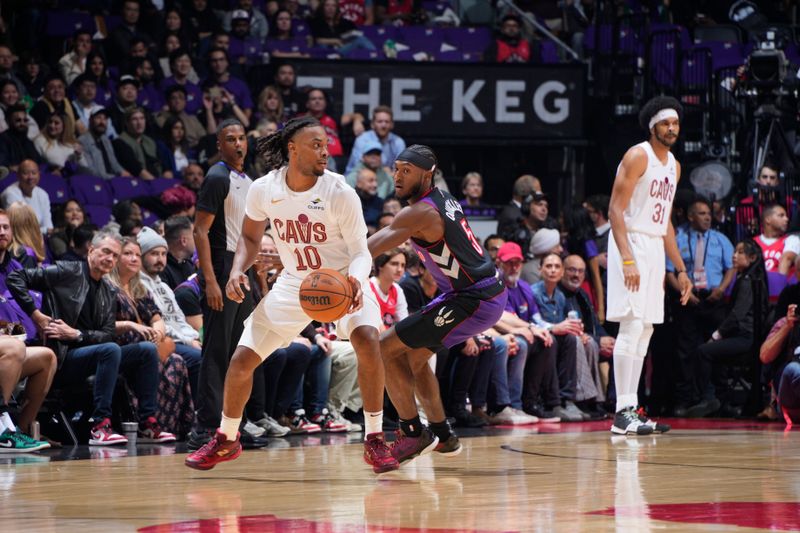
679	272
631	262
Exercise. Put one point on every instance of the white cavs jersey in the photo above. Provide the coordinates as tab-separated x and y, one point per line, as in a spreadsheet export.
651	204
320	228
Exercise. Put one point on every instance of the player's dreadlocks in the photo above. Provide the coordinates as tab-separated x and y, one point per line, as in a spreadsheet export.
274	147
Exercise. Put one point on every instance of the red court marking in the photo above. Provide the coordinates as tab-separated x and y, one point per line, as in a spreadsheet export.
271	523
782	516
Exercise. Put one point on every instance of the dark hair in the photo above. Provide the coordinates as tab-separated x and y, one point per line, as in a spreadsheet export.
424	151
769	209
122	211
81	235
655	105
756	273
126	227
701	200
174	226
384	258
769	164
489	238
579	229
166	132
274	147
227	123
178	53
103	78
16	108
600	203
213	50
548	254
383	109
177	88
273	23
63	209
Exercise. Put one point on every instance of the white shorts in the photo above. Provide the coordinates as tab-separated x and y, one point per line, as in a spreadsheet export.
647	303
278	318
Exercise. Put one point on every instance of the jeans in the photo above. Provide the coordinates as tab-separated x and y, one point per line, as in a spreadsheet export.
789	390
265	386
355	44
319	379
192	357
515	370
137	362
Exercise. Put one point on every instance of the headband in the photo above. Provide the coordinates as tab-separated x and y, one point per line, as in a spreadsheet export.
662	115
418	160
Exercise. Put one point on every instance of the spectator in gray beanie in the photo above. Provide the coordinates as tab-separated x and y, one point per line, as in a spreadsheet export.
544	241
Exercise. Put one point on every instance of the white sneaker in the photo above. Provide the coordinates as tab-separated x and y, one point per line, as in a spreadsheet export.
626	422
253	429
352	427
524	417
271	426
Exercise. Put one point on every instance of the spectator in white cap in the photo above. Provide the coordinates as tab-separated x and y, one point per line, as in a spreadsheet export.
372	159
258	22
544	241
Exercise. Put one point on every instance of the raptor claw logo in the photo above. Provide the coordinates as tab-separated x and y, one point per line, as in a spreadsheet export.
443	318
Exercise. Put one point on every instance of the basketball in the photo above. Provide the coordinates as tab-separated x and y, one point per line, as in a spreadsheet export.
325	295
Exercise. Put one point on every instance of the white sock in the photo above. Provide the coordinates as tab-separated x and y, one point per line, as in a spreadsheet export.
230	427
5	420
624	366
373	423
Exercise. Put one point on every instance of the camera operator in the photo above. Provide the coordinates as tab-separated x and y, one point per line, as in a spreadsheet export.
707	255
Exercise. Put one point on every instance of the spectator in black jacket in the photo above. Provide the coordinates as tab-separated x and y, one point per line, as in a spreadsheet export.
15	146
78	319
735	336
178	232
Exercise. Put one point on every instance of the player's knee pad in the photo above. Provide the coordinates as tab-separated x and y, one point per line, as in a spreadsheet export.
630	332
644	340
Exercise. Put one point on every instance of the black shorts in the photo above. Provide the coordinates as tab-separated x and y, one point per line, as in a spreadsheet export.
454	317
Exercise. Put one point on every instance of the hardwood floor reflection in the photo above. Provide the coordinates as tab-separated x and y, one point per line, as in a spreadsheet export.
687	480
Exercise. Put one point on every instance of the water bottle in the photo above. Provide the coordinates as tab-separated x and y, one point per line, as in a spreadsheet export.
573	315
35	431
131	429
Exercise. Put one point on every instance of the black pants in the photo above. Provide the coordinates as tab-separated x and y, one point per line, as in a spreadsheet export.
265	386
695	325
466	376
567	365
540	383
221	333
730	350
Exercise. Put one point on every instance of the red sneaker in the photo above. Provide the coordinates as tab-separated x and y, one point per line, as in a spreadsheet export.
102	434
151	433
217	450
378	454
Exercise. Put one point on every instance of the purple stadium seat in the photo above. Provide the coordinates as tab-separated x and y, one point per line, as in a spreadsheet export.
361	54
148	217
126	188
159	185
550	53
98	214
665	50
379	34
437	8
112	21
91	190
300	29
468	39
56	187
294	45
696	70
724	54
65	23
8	180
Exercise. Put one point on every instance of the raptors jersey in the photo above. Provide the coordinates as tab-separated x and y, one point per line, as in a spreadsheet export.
772	252
457	261
651	203
322	227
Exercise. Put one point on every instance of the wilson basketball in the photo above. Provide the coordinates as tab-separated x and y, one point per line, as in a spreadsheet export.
325	295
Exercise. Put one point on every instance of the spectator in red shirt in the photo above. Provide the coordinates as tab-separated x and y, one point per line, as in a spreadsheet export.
509	46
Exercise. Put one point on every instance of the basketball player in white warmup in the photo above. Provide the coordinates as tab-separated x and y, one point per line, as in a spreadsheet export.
317	222
639	212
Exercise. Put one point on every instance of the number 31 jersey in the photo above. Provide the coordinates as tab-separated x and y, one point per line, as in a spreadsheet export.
322	227
651	204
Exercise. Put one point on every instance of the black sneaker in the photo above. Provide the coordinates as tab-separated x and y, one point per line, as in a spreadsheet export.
405	448
626	422
466	419
249	442
450	447
199	437
657	426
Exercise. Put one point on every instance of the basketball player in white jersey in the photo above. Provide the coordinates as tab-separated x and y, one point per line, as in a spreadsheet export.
639	212
316	222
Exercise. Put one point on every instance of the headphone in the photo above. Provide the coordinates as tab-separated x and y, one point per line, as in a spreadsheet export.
525	207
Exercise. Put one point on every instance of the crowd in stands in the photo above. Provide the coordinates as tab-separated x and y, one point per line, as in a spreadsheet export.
108	146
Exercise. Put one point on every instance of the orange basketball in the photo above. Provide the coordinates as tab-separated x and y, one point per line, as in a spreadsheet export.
325	295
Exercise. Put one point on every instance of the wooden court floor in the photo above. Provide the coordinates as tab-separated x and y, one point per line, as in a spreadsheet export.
725	476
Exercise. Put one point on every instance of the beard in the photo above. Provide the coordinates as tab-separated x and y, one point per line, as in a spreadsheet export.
512	279
665	140
410	193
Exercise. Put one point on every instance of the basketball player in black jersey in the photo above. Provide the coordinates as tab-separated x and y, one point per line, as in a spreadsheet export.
472	300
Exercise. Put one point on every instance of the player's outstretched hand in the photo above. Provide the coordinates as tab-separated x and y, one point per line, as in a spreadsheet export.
358	295
631	274
267	261
233	289
686	287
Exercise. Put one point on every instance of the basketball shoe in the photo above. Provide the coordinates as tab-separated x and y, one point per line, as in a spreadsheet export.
378	454
102	434
647	421
450	447
627	422
19	442
326	421
217	450
406	447
151	433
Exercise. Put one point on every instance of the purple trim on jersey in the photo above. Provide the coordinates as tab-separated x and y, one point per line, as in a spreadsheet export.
443	281
485	316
